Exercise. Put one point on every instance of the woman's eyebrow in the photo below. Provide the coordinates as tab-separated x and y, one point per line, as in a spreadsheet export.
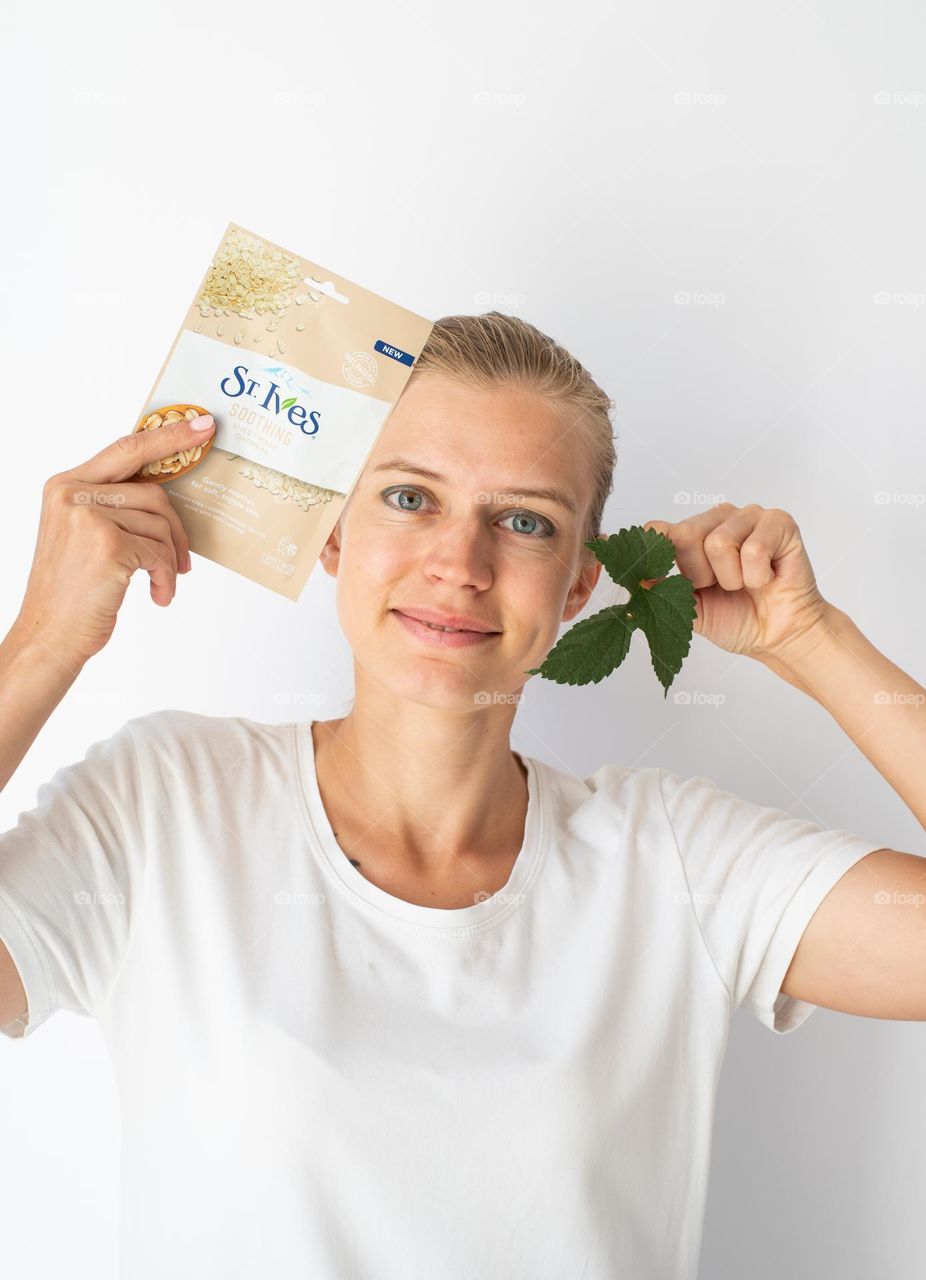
551	493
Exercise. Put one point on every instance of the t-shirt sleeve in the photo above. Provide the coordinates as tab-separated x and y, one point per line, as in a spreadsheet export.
755	876
70	873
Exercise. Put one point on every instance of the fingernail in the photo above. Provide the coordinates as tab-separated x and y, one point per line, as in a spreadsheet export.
203	423
186	564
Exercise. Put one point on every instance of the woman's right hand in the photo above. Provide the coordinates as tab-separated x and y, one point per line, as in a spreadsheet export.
96	528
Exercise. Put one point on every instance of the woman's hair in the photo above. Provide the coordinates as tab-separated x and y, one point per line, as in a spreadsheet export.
494	349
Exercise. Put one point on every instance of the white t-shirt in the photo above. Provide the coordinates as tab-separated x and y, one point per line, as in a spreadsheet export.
320	1079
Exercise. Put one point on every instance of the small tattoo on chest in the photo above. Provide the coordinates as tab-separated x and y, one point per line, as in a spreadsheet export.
353	861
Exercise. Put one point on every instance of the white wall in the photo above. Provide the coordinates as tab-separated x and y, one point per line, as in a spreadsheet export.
580	166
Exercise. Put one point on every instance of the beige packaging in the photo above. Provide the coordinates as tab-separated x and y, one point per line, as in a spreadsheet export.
300	369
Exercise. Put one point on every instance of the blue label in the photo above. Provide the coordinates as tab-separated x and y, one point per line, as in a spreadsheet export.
402	356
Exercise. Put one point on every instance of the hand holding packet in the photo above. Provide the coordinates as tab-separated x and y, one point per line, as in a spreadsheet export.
300	370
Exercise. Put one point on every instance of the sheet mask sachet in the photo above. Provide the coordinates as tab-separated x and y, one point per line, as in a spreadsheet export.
300	369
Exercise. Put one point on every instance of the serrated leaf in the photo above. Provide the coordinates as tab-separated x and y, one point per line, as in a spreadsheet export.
665	613
635	554
287	404
591	649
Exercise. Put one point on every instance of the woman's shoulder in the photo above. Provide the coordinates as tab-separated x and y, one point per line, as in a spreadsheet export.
185	733
606	779
609	790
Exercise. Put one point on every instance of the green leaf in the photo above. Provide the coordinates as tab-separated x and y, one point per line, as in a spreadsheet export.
287	404
632	555
665	613
591	649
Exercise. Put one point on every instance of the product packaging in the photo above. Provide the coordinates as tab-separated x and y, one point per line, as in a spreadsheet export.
300	369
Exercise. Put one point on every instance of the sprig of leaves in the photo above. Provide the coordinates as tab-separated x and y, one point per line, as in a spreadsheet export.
665	612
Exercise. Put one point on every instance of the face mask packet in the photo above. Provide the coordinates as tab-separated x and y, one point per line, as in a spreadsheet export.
300	368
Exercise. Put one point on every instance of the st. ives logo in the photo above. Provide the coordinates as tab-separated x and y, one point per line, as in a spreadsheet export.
240	383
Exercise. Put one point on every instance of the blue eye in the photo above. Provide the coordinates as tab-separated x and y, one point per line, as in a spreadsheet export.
389	492
546	527
547	530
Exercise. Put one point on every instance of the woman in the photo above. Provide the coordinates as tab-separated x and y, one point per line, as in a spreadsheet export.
384	998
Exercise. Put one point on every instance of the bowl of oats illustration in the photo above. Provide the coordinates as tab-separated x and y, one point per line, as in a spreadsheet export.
182	460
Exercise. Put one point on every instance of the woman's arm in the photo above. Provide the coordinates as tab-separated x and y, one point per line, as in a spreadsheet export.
864	949
33	680
880	707
96	527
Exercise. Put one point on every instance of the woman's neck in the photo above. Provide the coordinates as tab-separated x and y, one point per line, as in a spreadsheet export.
425	803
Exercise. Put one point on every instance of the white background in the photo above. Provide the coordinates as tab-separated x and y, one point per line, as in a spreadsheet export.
581	166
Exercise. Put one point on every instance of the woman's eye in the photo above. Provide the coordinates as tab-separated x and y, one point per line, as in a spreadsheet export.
388	493
546	529
536	523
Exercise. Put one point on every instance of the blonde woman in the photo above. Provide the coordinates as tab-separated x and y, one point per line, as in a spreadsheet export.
384	998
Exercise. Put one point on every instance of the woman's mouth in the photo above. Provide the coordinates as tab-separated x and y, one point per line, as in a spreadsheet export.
443	639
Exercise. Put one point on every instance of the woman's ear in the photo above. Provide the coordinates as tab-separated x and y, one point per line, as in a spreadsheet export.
331	552
583	586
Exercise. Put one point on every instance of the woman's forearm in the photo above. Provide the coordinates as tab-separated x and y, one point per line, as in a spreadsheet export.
33	680
880	707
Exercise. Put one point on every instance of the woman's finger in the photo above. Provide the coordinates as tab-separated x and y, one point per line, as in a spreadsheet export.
758	549
154	527
127	455
688	539
723	548
154	557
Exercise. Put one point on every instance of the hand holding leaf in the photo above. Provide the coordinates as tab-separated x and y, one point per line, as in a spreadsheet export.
755	588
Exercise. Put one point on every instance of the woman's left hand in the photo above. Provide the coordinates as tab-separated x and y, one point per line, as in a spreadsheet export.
755	591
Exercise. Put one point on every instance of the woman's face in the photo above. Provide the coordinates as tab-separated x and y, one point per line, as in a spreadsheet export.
473	542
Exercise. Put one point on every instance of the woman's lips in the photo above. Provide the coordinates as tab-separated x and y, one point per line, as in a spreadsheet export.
443	639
